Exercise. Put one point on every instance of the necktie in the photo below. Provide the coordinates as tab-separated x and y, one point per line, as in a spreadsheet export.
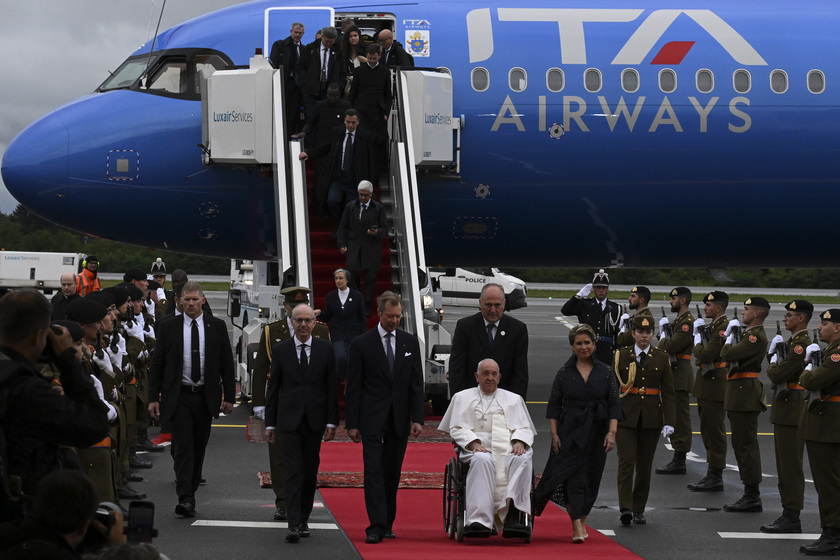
362	210
304	361
642	359
348	145
195	355
389	352
490	328
324	69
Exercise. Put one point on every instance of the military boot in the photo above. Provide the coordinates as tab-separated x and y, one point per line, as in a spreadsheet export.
750	502
827	545
676	466
145	444
712	482
787	523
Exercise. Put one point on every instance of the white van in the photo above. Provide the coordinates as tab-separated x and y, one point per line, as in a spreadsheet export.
462	286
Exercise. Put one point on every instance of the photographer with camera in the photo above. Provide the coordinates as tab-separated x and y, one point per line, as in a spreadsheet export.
35	419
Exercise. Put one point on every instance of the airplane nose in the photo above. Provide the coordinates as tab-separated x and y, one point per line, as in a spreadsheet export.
35	165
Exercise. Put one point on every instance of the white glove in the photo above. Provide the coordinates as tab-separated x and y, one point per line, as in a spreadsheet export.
150	307
150	333
115	356
732	324
773	358
121	345
259	412
663	323
698	324
140	319
667	431
161	294
730	340
135	330
698	339
104	363
621	320
585	291
813	347
776	341
809	367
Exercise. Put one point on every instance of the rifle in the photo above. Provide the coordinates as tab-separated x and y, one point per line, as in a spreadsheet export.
816	357
669	328
704	330
99	353
781	349
736	331
115	338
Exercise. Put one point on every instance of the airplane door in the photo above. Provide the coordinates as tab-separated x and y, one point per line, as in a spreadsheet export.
278	23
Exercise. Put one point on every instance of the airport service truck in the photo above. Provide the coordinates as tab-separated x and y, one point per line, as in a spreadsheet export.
24	269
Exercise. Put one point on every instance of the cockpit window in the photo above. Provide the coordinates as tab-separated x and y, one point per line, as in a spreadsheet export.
170	73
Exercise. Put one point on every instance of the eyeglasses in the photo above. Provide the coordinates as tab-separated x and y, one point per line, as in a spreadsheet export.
301	321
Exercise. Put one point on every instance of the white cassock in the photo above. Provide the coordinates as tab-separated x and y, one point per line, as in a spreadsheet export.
495	420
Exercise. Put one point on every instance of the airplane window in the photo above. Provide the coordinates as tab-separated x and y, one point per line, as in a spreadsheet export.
778	81
126	74
555	80
592	80
168	77
480	79
630	80
816	81
517	79
667	80
705	81
741	81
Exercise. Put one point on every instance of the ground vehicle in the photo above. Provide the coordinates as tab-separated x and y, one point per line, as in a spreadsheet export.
24	269
462	286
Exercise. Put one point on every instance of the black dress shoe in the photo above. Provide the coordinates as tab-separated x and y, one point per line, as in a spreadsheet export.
477	530
373	538
303	529
293	535
134	477
280	514
390	535
136	462
639	519
185	509
626	517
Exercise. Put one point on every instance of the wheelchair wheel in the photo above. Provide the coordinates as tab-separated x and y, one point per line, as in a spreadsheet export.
448	499
459	529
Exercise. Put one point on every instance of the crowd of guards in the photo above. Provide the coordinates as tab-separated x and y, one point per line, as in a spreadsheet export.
717	356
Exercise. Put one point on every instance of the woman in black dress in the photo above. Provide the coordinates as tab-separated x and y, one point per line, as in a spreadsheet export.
583	413
344	312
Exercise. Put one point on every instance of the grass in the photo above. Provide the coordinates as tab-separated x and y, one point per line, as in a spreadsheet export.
206	286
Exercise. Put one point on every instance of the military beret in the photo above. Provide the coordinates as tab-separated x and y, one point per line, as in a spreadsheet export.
601	279
680	291
832	315
135	293
76	332
642	322
758	302
801	305
153	286
85	311
119	292
133	273
107	299
716	296
642	291
158	268
295	295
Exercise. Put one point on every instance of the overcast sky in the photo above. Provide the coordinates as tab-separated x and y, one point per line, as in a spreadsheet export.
56	51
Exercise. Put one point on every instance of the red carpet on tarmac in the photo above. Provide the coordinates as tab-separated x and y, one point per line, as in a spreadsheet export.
419	524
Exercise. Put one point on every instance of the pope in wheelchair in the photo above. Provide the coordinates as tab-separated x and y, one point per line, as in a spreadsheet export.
494	434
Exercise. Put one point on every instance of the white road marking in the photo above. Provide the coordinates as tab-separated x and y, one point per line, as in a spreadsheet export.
257	524
565	322
771	536
607	532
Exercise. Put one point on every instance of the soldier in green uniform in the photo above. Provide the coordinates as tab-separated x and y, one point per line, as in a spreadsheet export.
679	345
135	387
638	301
648	400
787	362
709	389
744	397
273	333
821	430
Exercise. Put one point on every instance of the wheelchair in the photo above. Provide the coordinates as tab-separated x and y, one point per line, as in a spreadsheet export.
454	498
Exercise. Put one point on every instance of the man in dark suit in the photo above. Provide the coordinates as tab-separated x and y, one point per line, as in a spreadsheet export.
67	294
472	343
384	403
599	313
302	405
363	225
190	373
349	158
286	53
393	53
371	95
318	67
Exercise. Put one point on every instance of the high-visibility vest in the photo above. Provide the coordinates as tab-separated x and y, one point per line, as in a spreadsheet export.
86	283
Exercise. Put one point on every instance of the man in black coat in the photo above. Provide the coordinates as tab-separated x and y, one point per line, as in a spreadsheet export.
384	403
599	313
286	53
313	75
67	294
348	153
393	53
302	406
371	95
360	233
190	373
472	343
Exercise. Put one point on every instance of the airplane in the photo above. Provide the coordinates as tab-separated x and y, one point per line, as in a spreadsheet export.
656	134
